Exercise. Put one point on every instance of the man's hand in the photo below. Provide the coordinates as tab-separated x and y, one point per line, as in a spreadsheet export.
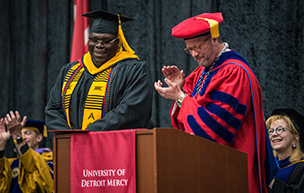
14	124
173	91
4	135
175	79
175	75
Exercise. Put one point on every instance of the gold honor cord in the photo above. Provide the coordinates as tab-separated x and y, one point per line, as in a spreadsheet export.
68	87
214	27
95	99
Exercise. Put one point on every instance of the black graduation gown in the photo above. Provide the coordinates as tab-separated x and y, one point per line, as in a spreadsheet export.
130	101
295	182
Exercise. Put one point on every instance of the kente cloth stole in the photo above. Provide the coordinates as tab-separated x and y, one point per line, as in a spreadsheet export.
96	105
68	86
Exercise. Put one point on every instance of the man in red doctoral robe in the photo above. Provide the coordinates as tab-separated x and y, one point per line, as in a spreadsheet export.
221	100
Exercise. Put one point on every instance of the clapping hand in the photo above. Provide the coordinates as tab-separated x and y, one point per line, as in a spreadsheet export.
175	75
14	124
175	79
4	135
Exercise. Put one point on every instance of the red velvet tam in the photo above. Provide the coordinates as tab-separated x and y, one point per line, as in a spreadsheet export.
199	25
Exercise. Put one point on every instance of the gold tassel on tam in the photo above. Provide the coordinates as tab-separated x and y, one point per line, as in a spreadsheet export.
122	37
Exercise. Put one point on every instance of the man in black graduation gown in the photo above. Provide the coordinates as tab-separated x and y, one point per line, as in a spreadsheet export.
108	88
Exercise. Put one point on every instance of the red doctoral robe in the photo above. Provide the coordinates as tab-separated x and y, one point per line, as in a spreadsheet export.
228	110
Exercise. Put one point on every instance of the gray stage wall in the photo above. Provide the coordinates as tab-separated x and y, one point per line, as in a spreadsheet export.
35	42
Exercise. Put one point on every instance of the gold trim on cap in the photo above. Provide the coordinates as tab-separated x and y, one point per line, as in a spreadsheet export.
214	27
37	130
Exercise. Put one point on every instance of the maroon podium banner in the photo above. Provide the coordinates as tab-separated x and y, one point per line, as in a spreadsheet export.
103	162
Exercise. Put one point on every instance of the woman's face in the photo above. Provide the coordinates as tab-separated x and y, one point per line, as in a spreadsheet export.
281	143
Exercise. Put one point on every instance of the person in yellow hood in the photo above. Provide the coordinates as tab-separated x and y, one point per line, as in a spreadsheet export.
32	170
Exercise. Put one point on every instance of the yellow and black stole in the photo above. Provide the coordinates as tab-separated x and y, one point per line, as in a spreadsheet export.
96	105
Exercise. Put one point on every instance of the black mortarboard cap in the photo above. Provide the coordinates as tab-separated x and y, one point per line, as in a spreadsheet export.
104	22
296	117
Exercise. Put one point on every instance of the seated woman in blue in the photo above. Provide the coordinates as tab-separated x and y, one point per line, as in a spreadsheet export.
284	139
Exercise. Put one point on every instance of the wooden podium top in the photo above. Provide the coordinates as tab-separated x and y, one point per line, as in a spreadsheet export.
170	161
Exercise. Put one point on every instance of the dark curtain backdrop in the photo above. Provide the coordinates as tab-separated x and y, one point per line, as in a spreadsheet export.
36	38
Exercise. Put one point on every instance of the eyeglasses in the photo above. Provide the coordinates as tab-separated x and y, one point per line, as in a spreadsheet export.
196	48
95	41
278	130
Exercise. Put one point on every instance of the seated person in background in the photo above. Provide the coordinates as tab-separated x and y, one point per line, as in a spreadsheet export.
32	171
284	140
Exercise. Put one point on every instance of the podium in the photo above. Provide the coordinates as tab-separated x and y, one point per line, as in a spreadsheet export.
170	161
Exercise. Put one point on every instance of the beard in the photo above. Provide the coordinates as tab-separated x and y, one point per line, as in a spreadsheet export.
203	61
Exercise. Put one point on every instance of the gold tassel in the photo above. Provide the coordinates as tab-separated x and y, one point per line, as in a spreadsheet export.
122	38
44	131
